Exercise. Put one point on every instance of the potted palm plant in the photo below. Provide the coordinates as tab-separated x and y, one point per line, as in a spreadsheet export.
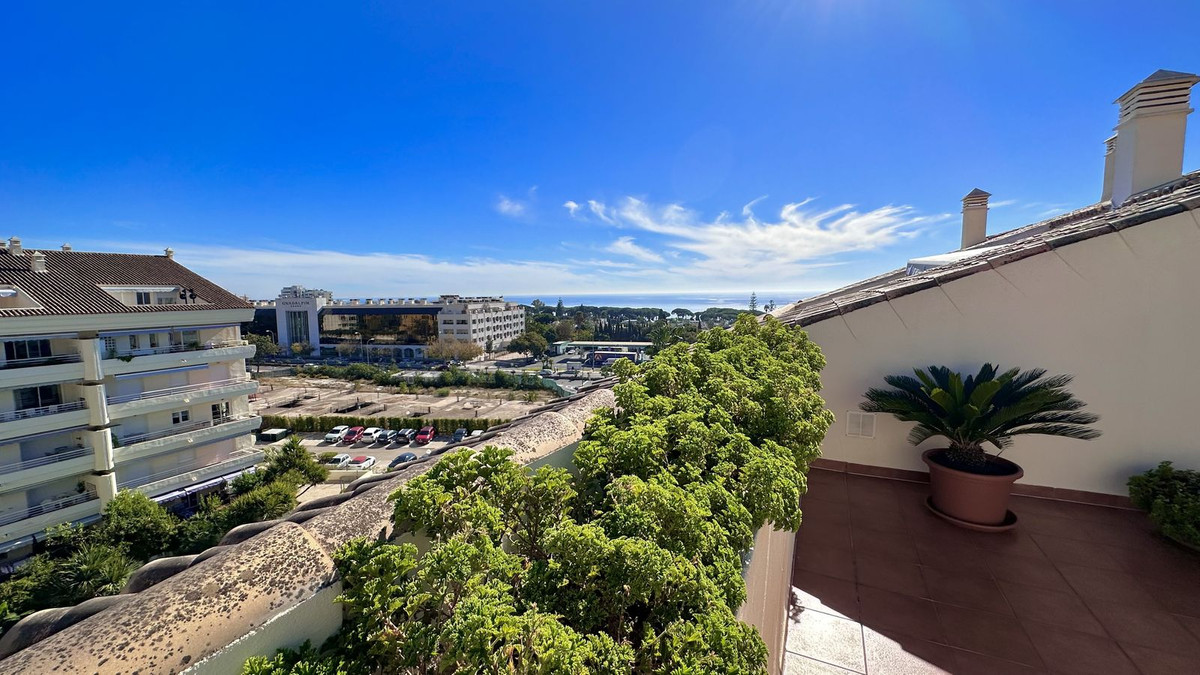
969	486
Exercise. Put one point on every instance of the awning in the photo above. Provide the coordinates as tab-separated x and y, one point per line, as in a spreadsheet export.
17	543
42	336
165	371
170	496
161	329
206	485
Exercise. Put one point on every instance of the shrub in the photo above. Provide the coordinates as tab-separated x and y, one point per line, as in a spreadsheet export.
1172	498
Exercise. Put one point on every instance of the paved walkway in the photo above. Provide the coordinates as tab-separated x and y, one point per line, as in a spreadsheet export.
882	586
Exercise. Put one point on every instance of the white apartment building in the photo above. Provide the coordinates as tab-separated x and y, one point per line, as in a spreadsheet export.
116	372
399	328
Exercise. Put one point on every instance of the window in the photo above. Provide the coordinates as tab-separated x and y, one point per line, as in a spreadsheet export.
861	425
26	349
180	416
110	346
153	340
143	298
220	410
133	342
37	397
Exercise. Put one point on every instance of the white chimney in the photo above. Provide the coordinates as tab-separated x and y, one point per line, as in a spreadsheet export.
1150	130
66	247
1110	147
974	220
14	245
170	253
37	262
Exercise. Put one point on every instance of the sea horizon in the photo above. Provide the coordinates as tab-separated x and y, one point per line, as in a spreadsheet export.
666	301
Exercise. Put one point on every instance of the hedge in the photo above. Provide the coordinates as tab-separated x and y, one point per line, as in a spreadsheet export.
308	423
1172	498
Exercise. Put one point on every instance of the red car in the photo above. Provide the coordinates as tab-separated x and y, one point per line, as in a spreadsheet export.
425	435
353	436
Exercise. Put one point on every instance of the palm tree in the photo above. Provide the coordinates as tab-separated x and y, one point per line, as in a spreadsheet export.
990	407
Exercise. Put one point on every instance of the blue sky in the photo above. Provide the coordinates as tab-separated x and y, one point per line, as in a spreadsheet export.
539	148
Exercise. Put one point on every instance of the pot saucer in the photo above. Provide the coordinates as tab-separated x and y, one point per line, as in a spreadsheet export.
1010	520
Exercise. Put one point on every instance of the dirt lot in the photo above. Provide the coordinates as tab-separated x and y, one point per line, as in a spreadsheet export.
313	396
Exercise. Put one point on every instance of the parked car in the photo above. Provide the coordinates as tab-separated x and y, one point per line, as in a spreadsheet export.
361	462
389	436
336	434
353	435
459	434
371	434
338	461
407	435
425	435
547	372
402	458
477	432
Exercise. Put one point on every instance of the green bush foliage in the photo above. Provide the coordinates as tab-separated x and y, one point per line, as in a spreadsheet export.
631	564
1172	498
323	423
451	377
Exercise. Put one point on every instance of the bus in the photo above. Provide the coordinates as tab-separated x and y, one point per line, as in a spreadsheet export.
599	358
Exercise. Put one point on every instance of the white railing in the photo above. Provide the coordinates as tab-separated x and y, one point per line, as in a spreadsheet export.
69	452
182	389
169	349
238	457
12	415
48	506
179	429
40	361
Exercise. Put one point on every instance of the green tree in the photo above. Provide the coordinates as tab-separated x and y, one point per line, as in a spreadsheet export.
139	523
301	349
753	301
529	343
92	571
559	309
453	349
291	460
264	346
682	312
488	345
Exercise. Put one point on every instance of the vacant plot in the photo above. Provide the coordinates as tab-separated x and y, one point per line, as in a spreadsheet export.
291	396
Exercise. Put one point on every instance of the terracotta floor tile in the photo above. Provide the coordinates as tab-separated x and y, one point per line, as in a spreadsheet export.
825	593
1014	542
970	663
794	664
890	575
833	562
1038	572
1175	598
824	511
1073	653
1156	559
1077	552
1154	662
1116	532
1189	622
987	633
820	532
955	557
1054	607
827	638
878	519
890	653
965	590
886	611
1037	523
1096	584
896	546
1146	628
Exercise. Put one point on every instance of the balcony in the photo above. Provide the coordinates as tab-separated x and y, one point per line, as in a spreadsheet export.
163	399
66	461
151	443
881	585
30	421
157	358
190	474
41	370
22	522
40	361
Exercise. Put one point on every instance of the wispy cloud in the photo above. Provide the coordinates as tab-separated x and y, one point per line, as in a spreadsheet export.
510	207
626	246
571	207
1001	203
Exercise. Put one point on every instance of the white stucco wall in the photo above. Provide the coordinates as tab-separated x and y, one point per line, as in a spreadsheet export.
1120	312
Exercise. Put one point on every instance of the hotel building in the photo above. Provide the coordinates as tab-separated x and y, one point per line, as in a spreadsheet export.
116	372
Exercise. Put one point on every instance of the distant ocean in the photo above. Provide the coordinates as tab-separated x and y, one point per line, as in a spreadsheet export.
665	301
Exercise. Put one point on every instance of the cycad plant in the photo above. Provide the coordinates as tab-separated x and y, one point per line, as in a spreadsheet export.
989	407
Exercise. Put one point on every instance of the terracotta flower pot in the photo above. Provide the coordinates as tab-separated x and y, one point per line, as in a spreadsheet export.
975	500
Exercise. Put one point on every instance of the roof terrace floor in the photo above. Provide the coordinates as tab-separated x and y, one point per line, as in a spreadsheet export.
881	585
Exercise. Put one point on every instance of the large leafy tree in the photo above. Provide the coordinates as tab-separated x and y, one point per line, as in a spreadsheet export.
632	563
988	407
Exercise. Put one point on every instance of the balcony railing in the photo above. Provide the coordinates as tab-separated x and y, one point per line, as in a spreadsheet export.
27	413
237	457
17	515
40	361
170	349
61	455
179	429
182	389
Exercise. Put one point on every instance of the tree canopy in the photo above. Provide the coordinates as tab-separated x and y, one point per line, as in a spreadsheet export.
630	564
